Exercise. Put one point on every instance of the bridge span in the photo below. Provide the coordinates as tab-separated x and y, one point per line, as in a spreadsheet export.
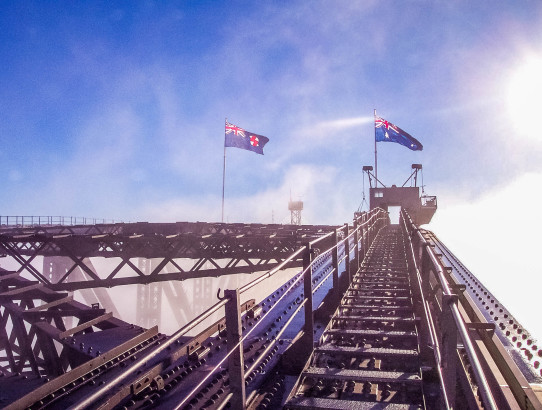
366	315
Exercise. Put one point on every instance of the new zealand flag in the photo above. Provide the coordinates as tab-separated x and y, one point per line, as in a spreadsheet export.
386	131
240	138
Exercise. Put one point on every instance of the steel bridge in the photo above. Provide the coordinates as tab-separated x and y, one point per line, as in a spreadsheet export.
366	315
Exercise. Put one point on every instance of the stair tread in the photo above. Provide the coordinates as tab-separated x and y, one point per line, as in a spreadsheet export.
380	283
372	307
371	351
370	332
377	376
382	318
326	403
377	297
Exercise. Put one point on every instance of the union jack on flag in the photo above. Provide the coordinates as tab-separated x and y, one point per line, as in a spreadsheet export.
239	138
230	128
386	131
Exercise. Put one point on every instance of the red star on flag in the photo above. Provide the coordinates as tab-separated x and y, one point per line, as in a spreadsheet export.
254	141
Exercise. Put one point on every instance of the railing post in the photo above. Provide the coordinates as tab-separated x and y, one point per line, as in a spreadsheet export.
236	365
425	271
369	234
449	343
335	262
307	289
347	254
365	236
448	329
356	243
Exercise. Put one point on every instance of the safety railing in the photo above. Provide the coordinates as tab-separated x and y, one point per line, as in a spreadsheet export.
367	224
429	201
25	221
444	327
355	241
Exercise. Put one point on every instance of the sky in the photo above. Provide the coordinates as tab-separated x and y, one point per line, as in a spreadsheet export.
116	110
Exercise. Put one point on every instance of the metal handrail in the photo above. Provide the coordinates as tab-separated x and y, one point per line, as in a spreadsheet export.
427	313
31	220
270	273
481	380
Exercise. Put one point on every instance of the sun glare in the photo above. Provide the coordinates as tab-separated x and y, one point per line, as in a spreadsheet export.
525	94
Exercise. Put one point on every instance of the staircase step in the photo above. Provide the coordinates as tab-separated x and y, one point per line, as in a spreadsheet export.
375	376
371	282
380	286
376	307
318	403
374	290
376	297
369	332
378	277
375	352
375	318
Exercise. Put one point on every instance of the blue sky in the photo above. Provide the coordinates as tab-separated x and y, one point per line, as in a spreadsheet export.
116	110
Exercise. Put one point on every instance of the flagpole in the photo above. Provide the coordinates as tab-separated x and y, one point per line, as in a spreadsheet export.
224	171
376	160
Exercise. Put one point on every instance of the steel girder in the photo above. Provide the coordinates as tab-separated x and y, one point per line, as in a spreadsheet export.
175	228
190	250
36	338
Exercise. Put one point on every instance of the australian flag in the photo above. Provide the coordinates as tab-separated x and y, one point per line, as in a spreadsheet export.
386	131
240	138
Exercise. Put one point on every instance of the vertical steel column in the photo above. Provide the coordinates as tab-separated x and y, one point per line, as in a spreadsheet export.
307	290
347	255
236	365
142	302
335	263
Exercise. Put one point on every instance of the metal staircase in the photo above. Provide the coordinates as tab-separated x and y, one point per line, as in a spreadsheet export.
369	356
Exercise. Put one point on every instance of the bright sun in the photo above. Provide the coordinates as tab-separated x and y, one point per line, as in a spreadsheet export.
525	94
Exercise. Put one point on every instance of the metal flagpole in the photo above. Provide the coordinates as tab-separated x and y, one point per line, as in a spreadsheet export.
376	161
224	171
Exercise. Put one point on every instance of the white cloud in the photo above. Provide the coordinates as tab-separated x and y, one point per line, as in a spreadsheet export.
498	238
325	130
322	189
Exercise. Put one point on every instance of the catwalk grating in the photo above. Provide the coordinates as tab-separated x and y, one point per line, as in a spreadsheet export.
368	356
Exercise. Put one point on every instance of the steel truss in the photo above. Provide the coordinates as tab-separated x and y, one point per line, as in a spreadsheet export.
36	337
54	349
398	329
189	250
